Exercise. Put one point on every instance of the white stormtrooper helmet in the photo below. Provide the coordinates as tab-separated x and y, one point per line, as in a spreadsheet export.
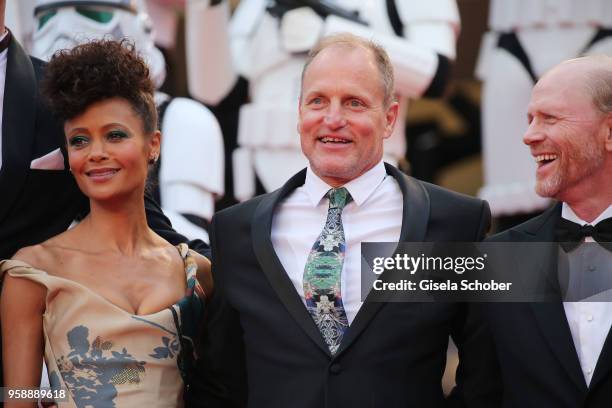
65	24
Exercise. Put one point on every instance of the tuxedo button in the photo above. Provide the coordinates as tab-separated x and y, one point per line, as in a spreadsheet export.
335	368
592	268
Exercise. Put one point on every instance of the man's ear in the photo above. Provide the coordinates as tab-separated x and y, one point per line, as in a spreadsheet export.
391	117
299	121
608	141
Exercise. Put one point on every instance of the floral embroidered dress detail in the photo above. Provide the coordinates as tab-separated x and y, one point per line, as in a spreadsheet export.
107	357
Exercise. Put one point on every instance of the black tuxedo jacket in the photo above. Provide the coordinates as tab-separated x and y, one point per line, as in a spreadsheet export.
261	337
35	204
38	204
539	363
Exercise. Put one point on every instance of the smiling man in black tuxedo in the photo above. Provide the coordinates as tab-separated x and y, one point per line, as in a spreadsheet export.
38	196
559	354
297	333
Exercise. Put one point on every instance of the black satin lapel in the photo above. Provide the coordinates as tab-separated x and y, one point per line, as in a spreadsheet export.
604	363
414	228
542	228
18	123
540	273
271	265
553	325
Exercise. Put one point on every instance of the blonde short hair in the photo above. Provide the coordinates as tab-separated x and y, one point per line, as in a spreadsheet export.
351	41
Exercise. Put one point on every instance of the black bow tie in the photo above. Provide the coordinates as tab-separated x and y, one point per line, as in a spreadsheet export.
570	235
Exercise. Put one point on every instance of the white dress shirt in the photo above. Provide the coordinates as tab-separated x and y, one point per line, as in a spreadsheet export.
2	78
374	214
589	322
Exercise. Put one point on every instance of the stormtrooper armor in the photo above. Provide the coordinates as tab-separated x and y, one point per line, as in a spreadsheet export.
64	24
527	38
269	51
18	18
191	171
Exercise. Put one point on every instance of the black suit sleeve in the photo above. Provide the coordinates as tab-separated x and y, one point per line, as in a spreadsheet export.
220	378
485	222
161	224
478	375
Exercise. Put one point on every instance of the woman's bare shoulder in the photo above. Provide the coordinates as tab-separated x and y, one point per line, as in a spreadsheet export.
37	256
44	256
28	293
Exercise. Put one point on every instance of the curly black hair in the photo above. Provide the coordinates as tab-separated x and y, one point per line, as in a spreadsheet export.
98	70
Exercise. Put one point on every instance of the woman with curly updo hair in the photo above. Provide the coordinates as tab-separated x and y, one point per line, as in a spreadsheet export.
112	306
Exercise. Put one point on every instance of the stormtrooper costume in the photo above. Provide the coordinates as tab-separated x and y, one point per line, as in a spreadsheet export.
18	18
190	175
269	51
527	38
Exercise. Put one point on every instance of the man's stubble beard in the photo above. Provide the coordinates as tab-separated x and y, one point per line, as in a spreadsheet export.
585	162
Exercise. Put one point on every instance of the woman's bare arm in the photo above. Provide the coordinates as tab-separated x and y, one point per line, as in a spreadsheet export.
22	305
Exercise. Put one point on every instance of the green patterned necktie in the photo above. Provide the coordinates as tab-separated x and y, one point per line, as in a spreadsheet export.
322	273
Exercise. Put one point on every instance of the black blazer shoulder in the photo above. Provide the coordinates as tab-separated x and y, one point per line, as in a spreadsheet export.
455	216
459	204
39	67
238	212
538	229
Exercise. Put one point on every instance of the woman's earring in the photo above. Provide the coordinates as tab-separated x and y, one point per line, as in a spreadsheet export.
153	159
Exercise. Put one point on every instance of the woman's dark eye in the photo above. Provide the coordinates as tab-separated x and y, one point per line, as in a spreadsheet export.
78	141
116	135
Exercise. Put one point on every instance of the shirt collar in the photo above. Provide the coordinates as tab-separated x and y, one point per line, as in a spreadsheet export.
570	215
360	188
4	52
